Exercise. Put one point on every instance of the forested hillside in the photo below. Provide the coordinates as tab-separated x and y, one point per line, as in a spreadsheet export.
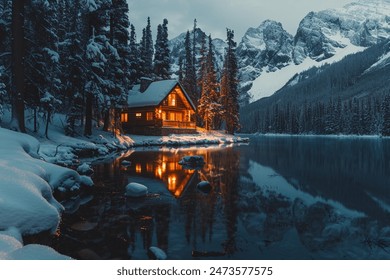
348	97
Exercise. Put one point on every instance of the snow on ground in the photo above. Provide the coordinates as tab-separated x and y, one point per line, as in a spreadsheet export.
26	202
202	138
270	82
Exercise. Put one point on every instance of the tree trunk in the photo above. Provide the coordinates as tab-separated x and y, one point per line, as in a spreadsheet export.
18	53
47	124
106	117
88	114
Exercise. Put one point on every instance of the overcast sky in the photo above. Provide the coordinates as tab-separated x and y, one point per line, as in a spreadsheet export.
214	16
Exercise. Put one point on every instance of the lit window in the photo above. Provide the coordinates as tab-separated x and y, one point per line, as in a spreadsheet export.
124	117
138	115
149	116
138	168
172	116
172	100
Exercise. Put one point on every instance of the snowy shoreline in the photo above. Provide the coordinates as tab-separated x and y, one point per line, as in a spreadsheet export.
32	170
326	136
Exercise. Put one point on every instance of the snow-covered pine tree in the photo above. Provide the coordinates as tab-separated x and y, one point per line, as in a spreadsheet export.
189	79
214	90
73	62
146	51
229	84
99	53
5	42
42	59
209	104
204	101
162	53
119	60
134	59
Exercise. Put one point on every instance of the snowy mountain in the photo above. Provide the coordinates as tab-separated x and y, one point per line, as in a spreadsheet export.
269	57
177	48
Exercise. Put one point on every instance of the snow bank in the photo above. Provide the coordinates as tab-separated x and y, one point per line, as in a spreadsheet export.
11	248
26	186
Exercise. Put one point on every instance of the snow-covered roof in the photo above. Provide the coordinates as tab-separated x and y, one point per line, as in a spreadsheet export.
154	94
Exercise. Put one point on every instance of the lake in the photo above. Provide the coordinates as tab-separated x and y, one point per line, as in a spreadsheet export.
274	198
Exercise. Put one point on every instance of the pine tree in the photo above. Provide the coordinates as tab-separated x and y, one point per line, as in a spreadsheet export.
74	63
134	67
118	64
189	79
386	116
162	53
42	59
146	51
209	104
5	43
229	86
100	54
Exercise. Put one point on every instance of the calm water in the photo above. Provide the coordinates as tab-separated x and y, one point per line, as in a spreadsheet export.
276	198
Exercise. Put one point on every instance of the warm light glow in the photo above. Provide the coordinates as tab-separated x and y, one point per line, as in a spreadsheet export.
149	167
138	115
159	172
124	117
164	167
172	100
138	168
149	116
172	182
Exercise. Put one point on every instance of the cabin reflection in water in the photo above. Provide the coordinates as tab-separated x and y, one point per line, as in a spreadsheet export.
207	222
164	167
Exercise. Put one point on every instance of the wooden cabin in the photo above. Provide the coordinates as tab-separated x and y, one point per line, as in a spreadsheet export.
158	108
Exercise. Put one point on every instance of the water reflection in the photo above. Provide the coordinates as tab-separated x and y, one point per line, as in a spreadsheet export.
277	198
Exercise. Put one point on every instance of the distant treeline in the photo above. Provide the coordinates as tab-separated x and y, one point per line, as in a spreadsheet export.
342	98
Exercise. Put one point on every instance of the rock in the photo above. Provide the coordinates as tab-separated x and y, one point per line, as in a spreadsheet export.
204	187
84	226
86	181
155	253
125	163
85	169
192	162
136	190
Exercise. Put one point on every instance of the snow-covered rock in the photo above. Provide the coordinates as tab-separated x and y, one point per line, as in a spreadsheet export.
136	190
192	162
86	181
85	169
156	253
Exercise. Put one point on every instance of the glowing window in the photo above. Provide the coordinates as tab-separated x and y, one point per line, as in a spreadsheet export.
124	117
138	115
149	116
138	168
172	100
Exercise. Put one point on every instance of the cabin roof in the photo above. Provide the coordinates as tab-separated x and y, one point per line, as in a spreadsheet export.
154	94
